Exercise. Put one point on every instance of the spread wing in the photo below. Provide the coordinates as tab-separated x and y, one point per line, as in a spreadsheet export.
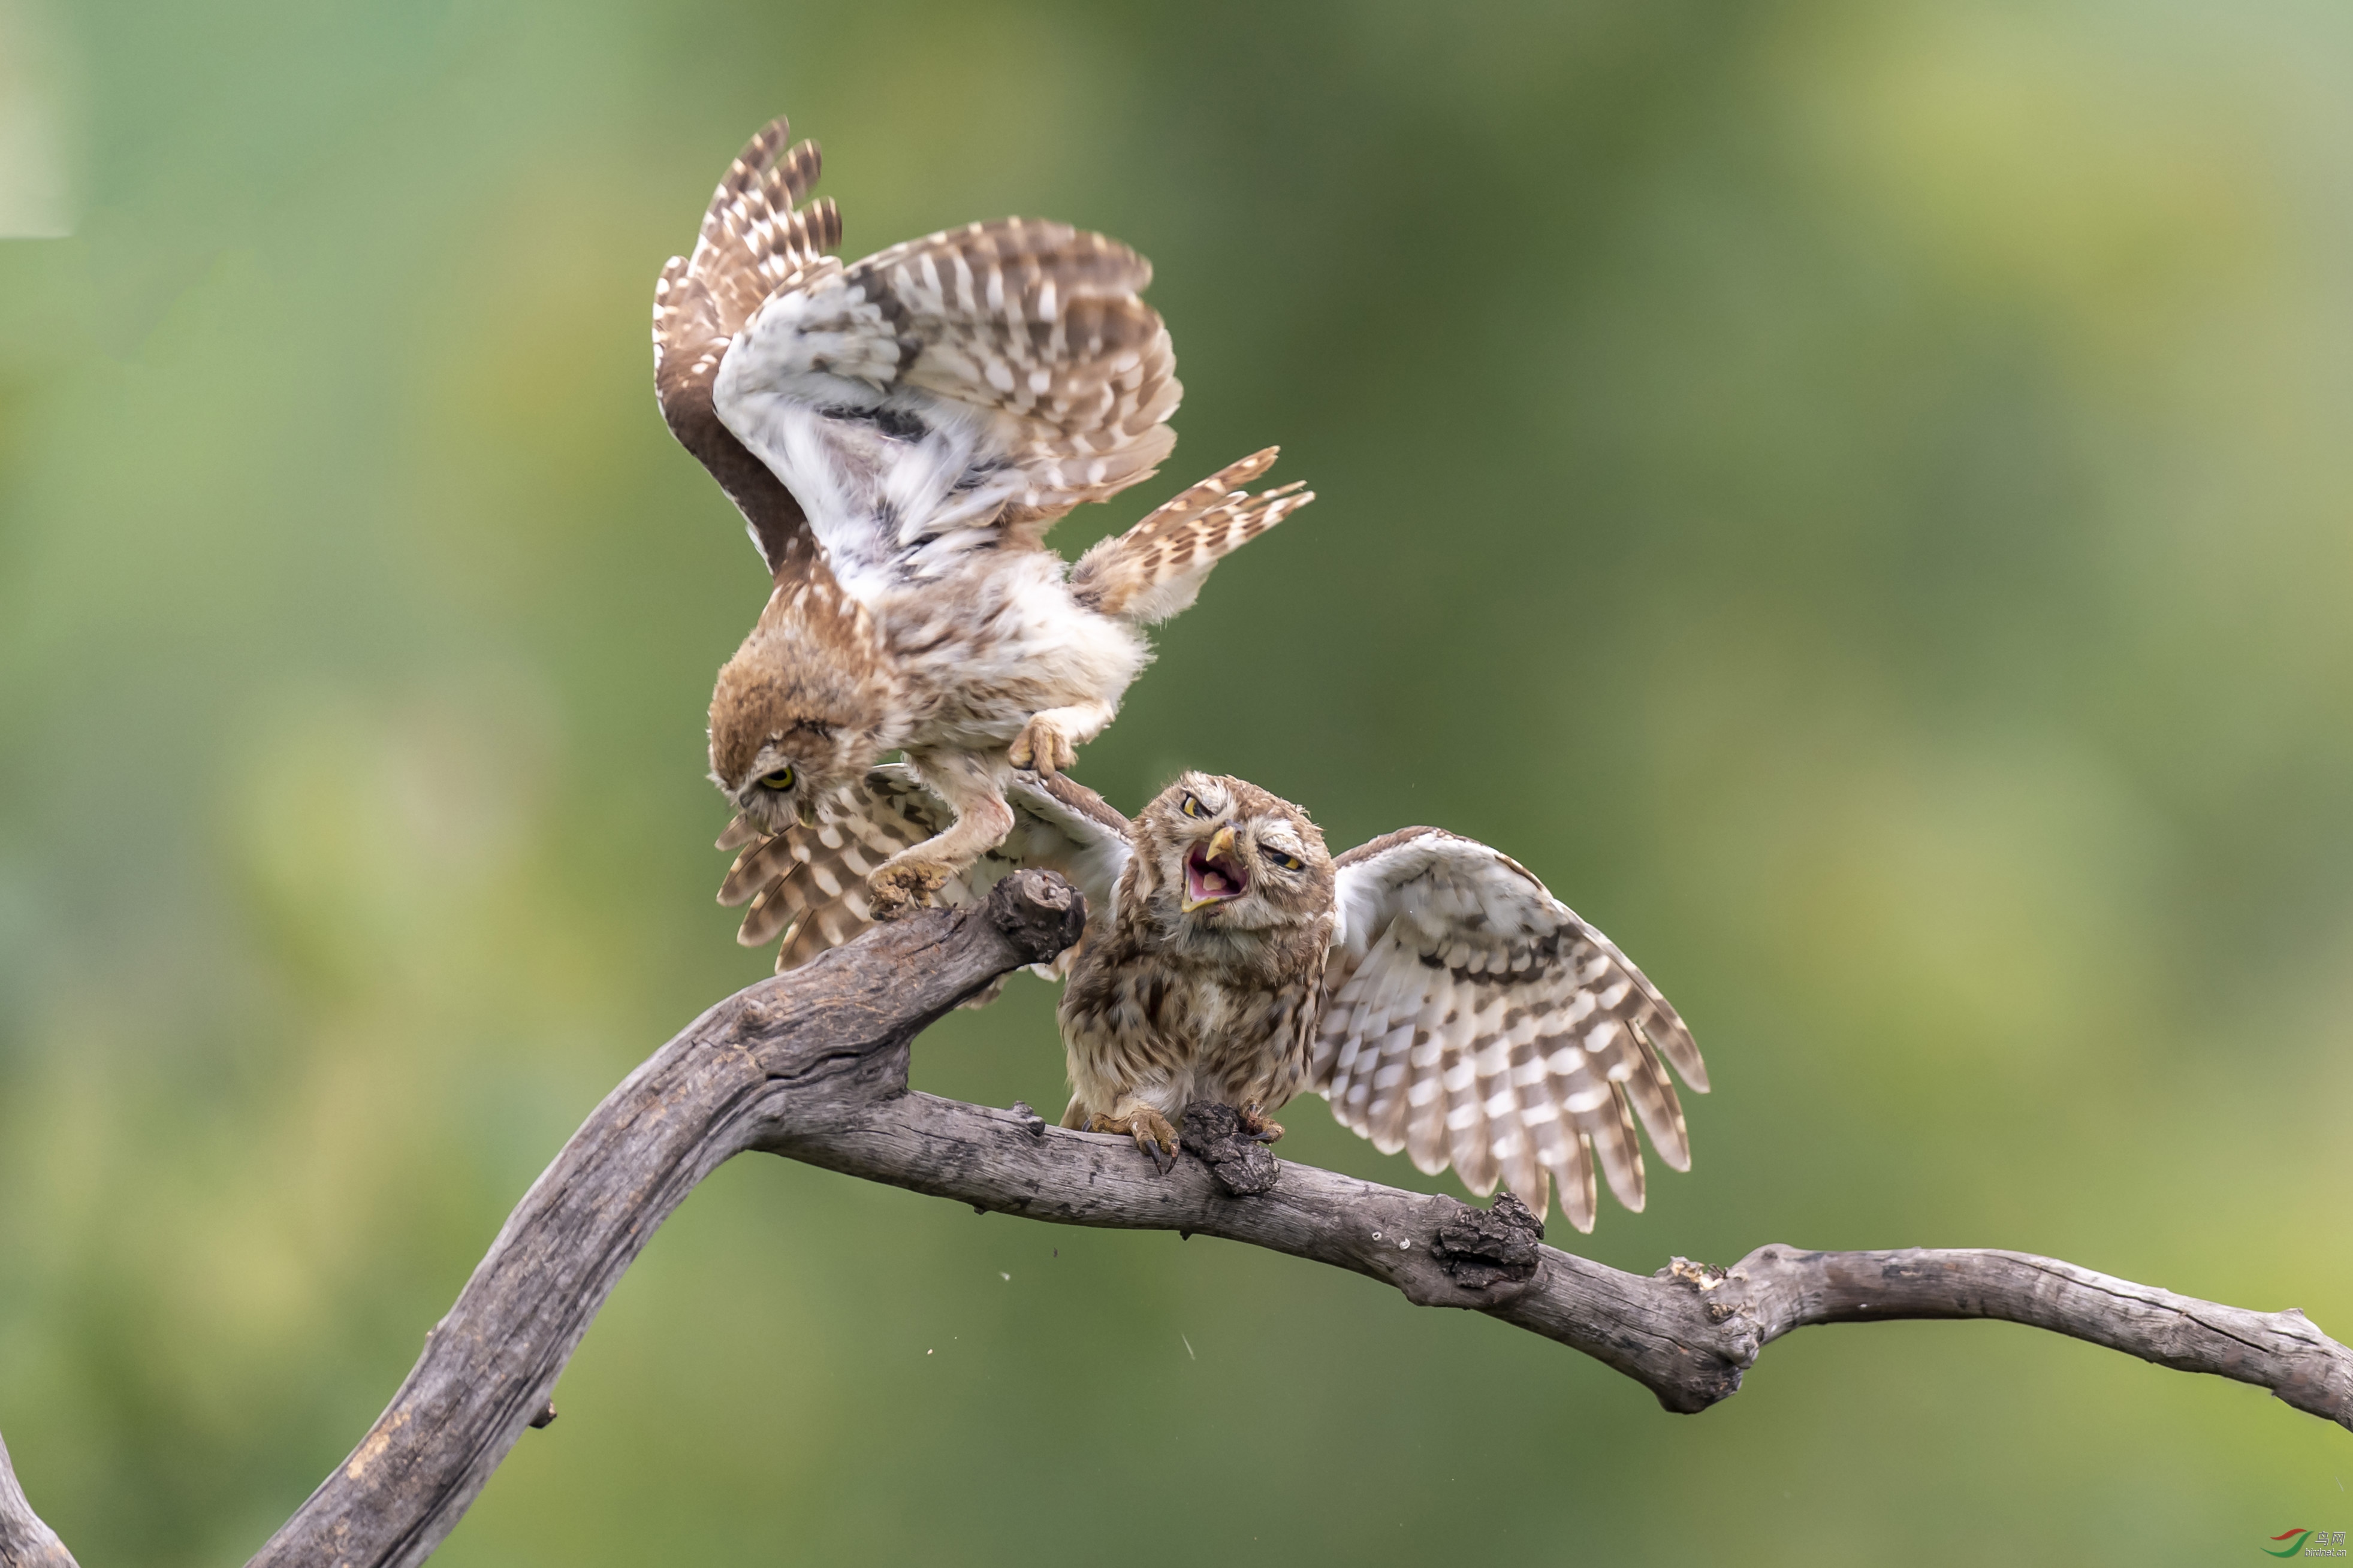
809	883
957	392
754	239
1470	1018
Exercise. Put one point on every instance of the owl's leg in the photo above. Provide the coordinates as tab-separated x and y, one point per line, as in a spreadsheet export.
1146	1126
907	881
1050	741
1256	1122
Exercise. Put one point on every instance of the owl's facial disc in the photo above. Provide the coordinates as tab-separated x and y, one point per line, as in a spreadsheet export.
778	792
1214	871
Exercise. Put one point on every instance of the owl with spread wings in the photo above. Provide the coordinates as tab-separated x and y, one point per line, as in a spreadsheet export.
899	433
1428	986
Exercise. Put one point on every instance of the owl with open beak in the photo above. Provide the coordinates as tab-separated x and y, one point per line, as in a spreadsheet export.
1428	986
1431	988
1206	984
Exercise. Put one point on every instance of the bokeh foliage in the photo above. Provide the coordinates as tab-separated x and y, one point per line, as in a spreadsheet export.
1856	495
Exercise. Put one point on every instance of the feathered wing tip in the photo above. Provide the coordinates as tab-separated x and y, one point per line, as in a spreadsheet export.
1577	1198
1458	1069
755	237
1156	568
752	242
1473	1020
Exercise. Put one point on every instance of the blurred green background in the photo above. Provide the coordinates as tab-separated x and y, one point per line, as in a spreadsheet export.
1858	496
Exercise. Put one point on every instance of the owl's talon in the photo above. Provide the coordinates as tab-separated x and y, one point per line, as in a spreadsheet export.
1255	1123
1041	746
896	891
1148	1128
1156	1137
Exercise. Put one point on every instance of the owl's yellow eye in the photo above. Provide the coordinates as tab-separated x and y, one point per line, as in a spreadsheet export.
782	779
1288	862
1192	807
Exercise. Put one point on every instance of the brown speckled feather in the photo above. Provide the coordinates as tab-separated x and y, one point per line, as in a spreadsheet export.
1043	322
807	885
1473	1019
1156	568
752	240
1170	1007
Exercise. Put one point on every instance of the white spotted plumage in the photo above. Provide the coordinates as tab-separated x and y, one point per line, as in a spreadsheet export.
1472	1019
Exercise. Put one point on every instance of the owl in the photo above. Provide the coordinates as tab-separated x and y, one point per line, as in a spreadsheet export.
1208	981
899	433
1428	986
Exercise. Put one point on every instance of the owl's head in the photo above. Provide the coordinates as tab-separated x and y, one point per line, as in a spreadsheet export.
1229	857
792	771
800	712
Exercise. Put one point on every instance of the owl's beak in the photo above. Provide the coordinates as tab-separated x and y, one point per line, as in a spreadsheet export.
809	814
1213	873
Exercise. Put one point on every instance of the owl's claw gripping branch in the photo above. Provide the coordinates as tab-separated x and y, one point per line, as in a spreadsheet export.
1148	1128
813	1066
1257	1124
897	891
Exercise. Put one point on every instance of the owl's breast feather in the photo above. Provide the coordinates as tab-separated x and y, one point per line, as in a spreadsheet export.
983	651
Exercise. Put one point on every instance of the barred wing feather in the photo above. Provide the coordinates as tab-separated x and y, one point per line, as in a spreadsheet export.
754	239
1471	1019
807	886
940	394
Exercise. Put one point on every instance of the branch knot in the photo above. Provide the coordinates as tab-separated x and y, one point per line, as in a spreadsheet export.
1244	1166
1038	912
1480	1248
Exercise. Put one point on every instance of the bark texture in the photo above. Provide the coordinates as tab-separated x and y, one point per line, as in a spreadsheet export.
25	1541
813	1066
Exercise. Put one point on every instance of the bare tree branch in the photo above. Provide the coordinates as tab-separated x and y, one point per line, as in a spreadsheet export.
809	1050
813	1066
1686	1333
25	1541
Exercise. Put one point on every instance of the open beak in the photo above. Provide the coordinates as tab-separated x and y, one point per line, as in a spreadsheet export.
1213	872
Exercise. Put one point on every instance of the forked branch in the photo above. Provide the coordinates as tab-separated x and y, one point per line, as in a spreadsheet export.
813	1066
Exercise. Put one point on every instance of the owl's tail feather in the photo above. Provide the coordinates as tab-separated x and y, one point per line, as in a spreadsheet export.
1157	567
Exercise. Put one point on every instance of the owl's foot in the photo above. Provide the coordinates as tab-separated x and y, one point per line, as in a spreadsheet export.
1257	1125
1148	1128
1043	746
893	891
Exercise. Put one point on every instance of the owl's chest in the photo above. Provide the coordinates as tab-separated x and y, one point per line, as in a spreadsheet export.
1203	1009
983	648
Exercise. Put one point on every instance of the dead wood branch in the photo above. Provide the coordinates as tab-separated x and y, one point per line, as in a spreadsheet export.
25	1541
813	1066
